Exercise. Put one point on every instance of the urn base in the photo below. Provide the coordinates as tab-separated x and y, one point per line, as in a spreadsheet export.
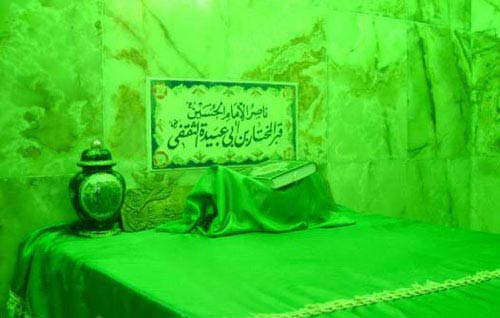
83	230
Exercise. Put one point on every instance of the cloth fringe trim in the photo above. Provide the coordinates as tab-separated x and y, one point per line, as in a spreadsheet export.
414	290
17	307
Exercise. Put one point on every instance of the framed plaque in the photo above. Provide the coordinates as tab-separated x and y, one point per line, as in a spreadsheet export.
197	123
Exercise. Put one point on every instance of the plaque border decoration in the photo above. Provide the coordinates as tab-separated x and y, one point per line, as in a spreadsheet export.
151	106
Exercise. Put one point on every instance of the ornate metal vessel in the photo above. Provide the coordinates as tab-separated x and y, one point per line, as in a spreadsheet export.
97	193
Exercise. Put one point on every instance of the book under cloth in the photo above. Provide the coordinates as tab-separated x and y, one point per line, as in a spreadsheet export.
280	173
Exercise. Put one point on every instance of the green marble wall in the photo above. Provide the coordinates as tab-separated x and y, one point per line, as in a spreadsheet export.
398	99
485	186
400	112
51	106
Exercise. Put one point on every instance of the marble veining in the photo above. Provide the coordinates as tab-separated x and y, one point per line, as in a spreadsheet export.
51	91
486	93
388	8
302	60
367	87
439	109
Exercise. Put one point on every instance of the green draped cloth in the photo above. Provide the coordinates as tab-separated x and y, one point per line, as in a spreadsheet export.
226	202
381	267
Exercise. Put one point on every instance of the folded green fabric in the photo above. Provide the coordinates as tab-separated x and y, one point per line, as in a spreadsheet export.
225	202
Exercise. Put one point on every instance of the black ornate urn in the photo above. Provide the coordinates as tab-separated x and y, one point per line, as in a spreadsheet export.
97	193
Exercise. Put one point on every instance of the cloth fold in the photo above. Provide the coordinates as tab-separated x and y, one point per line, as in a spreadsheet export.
226	202
31	251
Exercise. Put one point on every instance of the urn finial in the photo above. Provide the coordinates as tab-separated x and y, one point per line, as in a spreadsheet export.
96	156
96	144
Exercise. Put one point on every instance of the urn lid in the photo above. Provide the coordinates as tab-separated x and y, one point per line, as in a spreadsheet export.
96	156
